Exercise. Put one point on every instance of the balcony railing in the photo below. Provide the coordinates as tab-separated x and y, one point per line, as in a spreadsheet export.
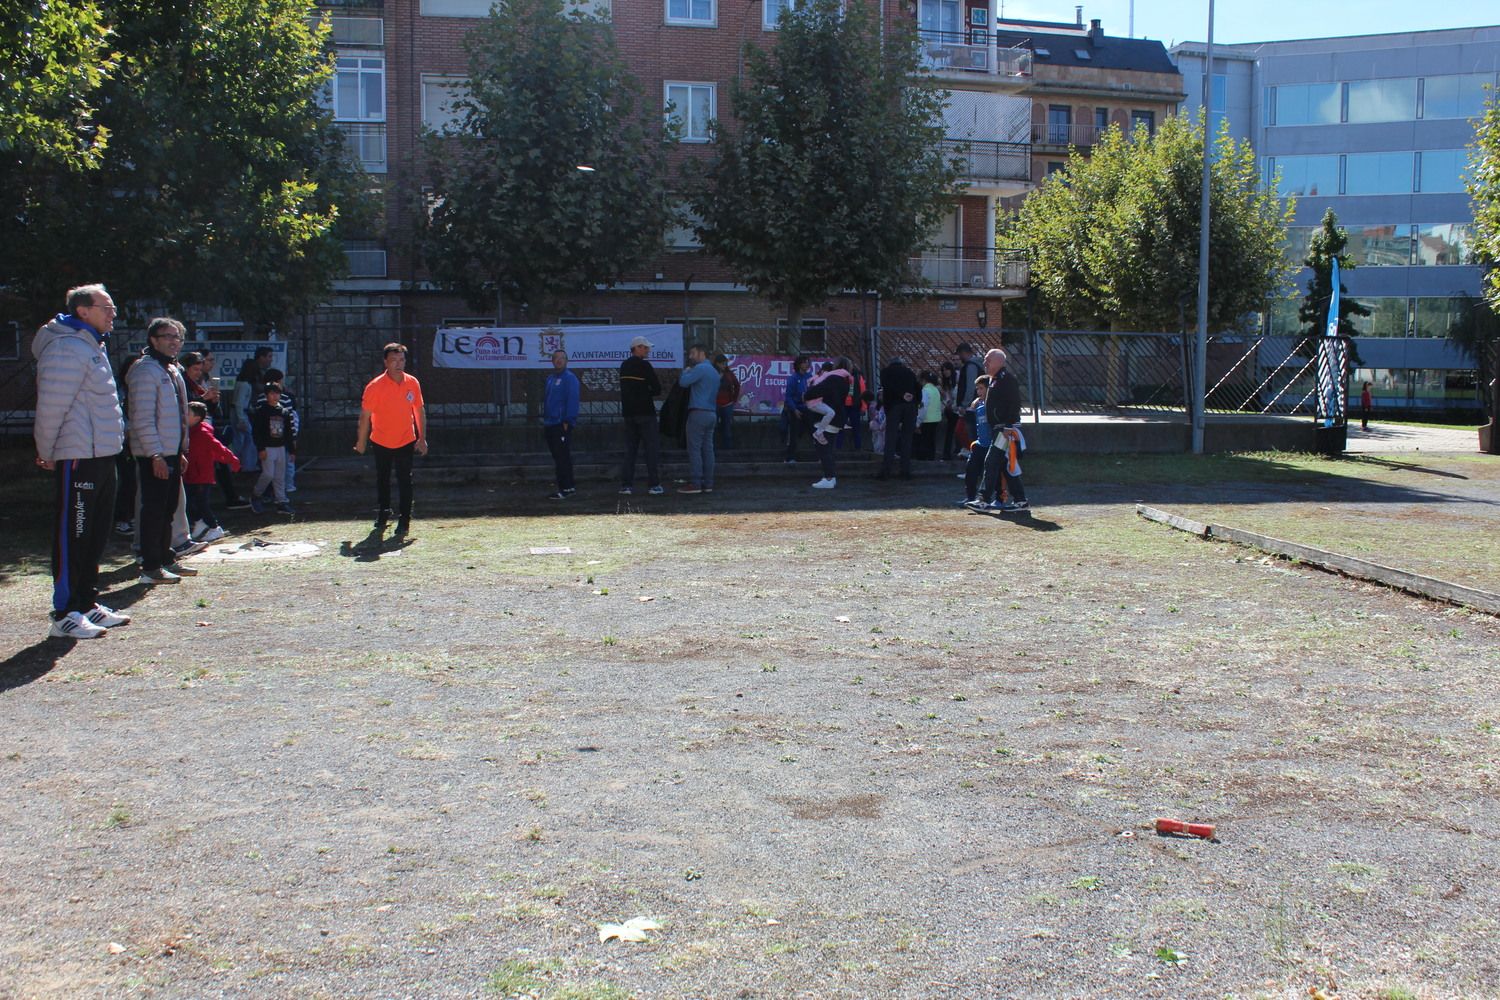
971	268
981	161
1077	134
970	52
364	263
366	142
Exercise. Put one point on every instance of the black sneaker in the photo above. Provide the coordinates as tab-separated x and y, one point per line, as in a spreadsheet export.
238	503
403	528
1016	505
559	495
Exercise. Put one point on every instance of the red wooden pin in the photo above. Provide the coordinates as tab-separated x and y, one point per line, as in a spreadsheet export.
1204	830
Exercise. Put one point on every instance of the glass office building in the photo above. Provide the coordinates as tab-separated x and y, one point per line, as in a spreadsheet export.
1375	127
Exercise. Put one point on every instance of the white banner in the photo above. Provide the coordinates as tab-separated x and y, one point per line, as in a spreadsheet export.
531	347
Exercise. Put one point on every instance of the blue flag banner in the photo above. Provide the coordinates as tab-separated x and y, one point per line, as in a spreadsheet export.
1332	388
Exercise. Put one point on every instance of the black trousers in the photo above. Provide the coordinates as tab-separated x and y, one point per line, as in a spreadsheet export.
900	429
997	464
124	487
158	507
84	502
641	434
560	443
398	459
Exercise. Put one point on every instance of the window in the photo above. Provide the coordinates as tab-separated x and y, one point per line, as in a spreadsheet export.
10	341
600	9
1444	243
357	32
1059	125
456	8
1455	96
1101	120
814	338
1440	317
1055	167
1283	317
585	321
1441	171
696	330
1218	93
1378	173
939	16
690	106
365	258
1305	104
1379	246
1143	119
680	235
699	12
1389	315
772	12
1306	175
359	89
438	95
1297	241
1382	100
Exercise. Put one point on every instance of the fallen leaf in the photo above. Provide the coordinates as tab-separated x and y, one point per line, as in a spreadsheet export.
205	624
844	619
645	600
116	948
633	929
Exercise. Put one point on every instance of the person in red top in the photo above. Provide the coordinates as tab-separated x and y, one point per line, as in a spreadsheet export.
393	421
727	399
204	451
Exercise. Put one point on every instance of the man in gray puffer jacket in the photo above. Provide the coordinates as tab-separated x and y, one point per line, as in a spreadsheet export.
159	442
79	429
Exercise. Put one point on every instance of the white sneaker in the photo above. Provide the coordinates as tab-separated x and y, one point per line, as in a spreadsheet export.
107	617
74	626
197	528
825	484
151	578
212	534
819	437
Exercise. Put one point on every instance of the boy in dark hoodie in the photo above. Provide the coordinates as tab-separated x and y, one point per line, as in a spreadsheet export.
275	444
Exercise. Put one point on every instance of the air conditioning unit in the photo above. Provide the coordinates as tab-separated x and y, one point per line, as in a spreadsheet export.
976	281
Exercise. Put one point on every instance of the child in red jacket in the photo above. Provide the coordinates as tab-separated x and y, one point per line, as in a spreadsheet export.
204	449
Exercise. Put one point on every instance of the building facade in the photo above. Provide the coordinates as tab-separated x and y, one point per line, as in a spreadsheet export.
1375	127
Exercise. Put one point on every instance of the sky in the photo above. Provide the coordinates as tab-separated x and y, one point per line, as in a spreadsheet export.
1173	21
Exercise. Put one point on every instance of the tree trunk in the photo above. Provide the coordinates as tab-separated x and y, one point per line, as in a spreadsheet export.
1494	448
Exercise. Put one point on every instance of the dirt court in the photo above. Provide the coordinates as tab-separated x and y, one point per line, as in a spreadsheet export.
853	744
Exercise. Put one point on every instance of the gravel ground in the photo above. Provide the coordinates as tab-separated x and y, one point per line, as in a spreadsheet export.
844	745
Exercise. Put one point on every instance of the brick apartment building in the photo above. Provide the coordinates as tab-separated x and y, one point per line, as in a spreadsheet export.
400	60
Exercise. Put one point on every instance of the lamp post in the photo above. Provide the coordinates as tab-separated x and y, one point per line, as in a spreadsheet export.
1200	355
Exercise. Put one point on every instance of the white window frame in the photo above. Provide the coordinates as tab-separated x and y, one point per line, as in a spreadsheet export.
713	107
456	8
360	73
692	22
454	85
771	10
681	238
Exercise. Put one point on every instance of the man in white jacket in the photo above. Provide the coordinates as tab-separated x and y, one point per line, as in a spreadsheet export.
78	430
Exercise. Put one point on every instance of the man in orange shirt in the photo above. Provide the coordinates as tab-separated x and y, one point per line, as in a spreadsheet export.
393	420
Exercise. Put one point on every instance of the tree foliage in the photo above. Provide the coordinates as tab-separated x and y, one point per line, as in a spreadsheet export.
1481	335
224	179
1113	239
53	58
834	175
511	213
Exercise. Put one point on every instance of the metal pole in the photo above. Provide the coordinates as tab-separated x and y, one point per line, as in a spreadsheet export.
1200	354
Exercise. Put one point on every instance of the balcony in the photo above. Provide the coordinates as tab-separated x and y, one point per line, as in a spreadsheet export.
366	142
952	269
973	55
1065	134
364	259
1002	168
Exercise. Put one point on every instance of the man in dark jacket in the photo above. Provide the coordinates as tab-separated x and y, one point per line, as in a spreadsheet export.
639	388
1003	410
898	391
79	430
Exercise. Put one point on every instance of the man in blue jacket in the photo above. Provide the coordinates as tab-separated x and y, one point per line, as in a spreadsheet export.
559	417
701	380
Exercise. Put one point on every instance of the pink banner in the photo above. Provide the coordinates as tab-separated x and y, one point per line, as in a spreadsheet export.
763	381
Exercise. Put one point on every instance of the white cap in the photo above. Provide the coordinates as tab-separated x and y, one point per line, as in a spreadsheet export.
639	342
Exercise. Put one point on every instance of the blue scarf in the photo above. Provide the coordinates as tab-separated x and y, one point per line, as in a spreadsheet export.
72	320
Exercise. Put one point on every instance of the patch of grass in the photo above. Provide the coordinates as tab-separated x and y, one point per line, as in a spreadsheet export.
589	991
521	976
1396	993
119	815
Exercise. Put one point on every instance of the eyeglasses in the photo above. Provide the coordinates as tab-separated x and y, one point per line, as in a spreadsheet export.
168	336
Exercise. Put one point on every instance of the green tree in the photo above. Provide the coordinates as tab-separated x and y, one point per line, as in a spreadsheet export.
53	58
835	174
1481	336
512	217
1325	246
224	180
1113	239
